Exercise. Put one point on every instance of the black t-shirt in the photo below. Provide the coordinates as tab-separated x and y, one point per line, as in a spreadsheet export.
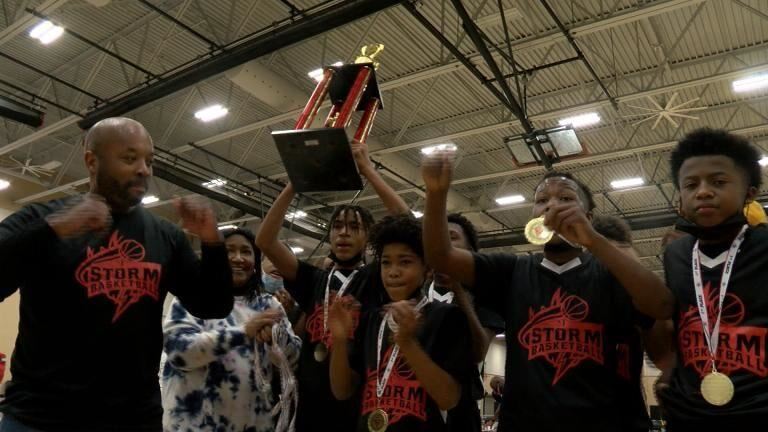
466	416
743	331
318	409
443	334
629	368
563	327
88	349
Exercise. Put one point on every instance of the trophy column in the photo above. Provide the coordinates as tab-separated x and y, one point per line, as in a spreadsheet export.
320	159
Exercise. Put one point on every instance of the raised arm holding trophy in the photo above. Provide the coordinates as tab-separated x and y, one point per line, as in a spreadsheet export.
309	154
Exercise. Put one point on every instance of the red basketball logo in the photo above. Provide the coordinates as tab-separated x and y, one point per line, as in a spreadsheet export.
733	310
401	369
131	250
574	308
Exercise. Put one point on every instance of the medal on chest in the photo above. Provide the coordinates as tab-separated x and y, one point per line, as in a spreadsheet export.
716	388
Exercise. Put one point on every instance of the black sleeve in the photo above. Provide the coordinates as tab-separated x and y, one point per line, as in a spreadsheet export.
203	286
624	303
449	351
302	289
493	273
490	319
358	344
23	239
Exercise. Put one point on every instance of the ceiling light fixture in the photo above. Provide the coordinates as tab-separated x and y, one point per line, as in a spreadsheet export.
581	120
215	183
211	113
629	182
510	199
297	214
751	83
149	199
439	147
317	74
46	32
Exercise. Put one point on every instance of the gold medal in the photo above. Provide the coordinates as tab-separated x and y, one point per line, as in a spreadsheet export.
378	421
321	352
717	388
536	233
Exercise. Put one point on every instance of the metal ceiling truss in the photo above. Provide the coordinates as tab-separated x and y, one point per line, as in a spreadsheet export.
579	53
639	13
316	20
196	178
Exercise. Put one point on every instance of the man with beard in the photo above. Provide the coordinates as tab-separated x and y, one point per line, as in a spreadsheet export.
93	272
565	310
316	289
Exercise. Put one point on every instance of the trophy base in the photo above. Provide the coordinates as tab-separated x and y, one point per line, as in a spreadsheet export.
343	80
318	160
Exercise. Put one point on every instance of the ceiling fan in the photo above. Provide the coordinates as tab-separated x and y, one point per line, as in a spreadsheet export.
46	169
667	112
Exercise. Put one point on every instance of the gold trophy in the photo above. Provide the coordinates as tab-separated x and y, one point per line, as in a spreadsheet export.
320	159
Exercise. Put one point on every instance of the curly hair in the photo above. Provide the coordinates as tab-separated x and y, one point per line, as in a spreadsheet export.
586	193
717	142
365	215
396	229
470	233
613	228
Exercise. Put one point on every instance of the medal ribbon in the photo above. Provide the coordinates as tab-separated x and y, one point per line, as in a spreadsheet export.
345	281
435	296
382	384
712	337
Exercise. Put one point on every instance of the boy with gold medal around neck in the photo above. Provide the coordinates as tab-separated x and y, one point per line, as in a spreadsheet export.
407	357
316	289
565	310
718	276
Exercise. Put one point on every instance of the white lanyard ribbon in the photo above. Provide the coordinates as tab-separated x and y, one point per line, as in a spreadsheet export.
345	281
381	384
712	337
435	296
288	396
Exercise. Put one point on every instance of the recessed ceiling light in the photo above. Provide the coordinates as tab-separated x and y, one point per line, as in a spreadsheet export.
629	182
215	183
211	113
297	249
581	120
439	147
317	74
4	184
510	199
417	214
149	199
751	83
296	214
46	32
763	161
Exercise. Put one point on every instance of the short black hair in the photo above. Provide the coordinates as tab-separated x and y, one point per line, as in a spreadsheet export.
396	229
584	188
470	233
613	228
717	142
365	215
